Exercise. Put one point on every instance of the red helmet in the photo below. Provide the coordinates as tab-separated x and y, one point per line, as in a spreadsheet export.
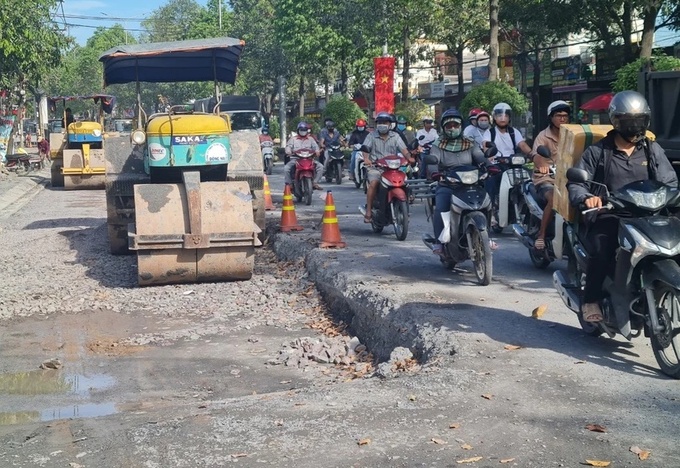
482	113
361	123
474	113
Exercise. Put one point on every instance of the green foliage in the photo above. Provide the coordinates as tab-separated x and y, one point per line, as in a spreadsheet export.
274	127
344	113
489	94
627	76
413	109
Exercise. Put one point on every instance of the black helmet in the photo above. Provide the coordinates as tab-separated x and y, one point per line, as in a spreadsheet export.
330	124
449	115
383	117
630	115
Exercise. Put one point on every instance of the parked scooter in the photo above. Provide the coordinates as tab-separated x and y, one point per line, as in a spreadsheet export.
528	224
268	156
335	165
506	207
303	180
643	295
22	162
390	205
465	235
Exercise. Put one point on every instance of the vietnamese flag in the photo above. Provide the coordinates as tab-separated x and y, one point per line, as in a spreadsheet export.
384	84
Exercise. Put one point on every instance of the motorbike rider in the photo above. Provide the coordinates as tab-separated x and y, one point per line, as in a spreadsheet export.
428	131
623	156
406	135
452	149
558	113
357	137
302	140
378	144
328	136
508	141
480	121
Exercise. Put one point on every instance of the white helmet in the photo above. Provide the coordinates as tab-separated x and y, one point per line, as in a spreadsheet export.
558	106
502	108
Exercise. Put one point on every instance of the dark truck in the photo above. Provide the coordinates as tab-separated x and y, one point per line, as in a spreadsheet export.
662	90
244	111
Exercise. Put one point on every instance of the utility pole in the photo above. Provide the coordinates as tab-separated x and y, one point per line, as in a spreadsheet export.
282	110
219	7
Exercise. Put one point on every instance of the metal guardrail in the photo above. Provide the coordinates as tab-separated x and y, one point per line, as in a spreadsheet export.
421	188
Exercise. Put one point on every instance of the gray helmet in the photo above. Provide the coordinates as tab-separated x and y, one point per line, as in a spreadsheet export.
630	115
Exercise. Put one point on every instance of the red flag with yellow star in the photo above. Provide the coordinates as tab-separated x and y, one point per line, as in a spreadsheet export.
384	84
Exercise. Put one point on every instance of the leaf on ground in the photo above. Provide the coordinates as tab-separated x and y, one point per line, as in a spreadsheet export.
642	454
539	311
507	460
597	463
454	426
512	347
438	441
466	447
364	441
469	460
487	396
596	428
239	455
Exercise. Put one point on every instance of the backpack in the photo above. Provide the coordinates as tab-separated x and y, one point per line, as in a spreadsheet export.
511	131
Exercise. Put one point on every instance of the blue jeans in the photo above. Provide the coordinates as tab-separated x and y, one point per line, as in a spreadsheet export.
493	186
442	204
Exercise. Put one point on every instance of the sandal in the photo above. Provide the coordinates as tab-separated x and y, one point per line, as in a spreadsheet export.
438	249
368	219
592	313
317	187
539	244
493	244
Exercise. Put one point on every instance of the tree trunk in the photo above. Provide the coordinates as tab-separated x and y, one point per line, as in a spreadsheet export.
493	40
301	95
344	77
535	92
650	13
407	65
459	69
627	30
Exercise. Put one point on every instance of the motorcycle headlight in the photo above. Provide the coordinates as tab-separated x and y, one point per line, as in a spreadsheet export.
138	137
649	200
518	160
468	177
393	163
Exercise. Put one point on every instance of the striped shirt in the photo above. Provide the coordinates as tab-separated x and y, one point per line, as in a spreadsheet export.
379	148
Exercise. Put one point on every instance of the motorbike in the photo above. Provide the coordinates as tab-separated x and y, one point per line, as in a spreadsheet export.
642	295
465	235
359	169
390	205
268	155
528	224
506	206
335	165
303	179
23	162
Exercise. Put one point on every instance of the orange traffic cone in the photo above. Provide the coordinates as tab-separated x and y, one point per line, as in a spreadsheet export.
288	218
268	203
330	232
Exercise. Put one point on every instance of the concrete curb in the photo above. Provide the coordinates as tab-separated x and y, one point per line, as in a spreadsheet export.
379	321
20	191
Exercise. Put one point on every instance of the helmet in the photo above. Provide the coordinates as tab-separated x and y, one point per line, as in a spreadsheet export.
265	131
629	113
361	123
472	115
302	128
449	115
330	123
383	116
483	113
401	119
558	106
502	108
428	118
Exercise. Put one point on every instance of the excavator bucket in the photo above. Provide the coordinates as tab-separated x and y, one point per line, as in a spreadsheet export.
193	232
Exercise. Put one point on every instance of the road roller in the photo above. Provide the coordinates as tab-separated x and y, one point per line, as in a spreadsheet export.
77	151
169	192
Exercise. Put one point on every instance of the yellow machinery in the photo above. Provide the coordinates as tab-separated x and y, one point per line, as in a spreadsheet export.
170	195
77	154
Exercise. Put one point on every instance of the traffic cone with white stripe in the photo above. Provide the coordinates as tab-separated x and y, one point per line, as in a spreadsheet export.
330	232
268	202
288	217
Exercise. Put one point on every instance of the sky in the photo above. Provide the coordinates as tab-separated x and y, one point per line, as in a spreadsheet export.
84	16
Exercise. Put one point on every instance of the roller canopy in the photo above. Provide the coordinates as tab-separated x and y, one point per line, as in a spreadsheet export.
108	102
164	62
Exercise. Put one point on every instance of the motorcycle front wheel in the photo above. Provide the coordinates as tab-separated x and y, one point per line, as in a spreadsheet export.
268	166
298	190
666	343
308	189
482	255
400	209
338	173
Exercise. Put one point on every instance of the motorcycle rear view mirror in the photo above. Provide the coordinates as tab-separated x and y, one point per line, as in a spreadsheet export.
491	151
544	151
577	175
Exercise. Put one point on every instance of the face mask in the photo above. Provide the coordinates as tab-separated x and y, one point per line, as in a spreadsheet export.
383	128
302	133
361	129
401	127
483	125
453	133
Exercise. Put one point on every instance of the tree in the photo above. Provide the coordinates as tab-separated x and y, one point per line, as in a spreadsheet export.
174	21
493	40
489	94
627	76
413	109
344	113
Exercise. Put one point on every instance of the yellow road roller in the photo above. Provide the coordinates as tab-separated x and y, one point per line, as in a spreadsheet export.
169	193
77	151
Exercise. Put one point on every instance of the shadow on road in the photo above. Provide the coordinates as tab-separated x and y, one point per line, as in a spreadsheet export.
64	223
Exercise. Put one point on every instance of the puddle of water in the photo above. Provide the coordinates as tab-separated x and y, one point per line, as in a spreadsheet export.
87	410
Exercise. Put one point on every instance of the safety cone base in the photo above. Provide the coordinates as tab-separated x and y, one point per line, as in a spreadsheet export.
331	245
